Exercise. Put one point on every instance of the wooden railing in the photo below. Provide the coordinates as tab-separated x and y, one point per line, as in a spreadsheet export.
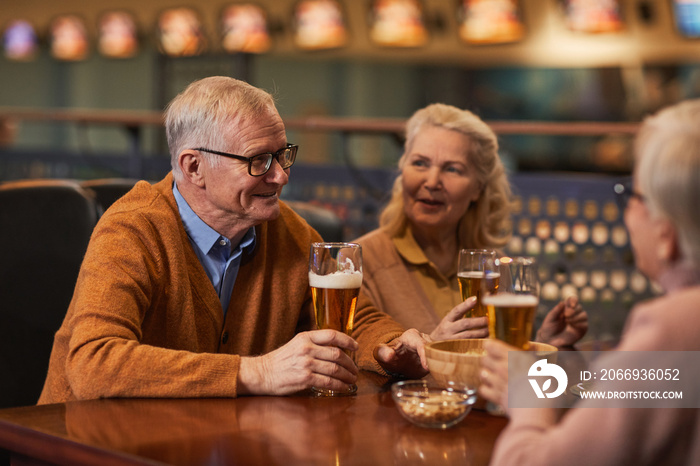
136	118
134	121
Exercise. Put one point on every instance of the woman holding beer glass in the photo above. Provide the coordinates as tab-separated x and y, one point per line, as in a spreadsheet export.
451	193
661	215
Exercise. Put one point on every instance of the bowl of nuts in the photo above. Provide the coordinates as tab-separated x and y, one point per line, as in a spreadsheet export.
427	404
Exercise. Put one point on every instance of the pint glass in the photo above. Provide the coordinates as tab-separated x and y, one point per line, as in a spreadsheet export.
470	274
335	277
512	308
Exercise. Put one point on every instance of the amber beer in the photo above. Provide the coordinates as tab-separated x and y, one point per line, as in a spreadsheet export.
335	278
511	317
335	299
470	285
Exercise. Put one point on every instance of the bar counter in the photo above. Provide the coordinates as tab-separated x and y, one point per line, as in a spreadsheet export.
365	429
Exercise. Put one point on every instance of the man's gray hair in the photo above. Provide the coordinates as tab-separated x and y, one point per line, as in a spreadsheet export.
200	116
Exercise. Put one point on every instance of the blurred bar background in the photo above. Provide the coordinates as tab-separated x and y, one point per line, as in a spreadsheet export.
564	88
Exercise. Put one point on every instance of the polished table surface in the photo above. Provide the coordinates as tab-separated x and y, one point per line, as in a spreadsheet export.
365	429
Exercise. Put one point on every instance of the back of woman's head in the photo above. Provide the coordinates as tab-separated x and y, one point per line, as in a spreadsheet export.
487	221
668	171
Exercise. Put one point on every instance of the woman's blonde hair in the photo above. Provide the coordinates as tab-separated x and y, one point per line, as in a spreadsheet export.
667	171
487	221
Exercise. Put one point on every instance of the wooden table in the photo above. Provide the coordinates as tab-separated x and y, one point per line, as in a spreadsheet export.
365	429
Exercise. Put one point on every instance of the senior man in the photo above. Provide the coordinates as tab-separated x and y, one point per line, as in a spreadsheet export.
197	286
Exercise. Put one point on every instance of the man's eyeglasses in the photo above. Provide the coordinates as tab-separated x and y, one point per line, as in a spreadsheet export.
259	164
625	192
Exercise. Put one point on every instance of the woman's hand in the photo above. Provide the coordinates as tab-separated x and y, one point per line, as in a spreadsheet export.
565	324
494	372
494	383
454	325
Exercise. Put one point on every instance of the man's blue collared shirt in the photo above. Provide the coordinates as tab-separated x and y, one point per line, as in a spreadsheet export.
214	250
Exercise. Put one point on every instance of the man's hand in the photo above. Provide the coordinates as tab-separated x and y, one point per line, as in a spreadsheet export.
454	325
565	324
404	355
310	359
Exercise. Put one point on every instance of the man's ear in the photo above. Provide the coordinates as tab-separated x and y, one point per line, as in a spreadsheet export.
191	165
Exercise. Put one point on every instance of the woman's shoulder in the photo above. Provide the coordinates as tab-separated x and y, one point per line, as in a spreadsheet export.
670	307
670	322
373	239
376	243
378	250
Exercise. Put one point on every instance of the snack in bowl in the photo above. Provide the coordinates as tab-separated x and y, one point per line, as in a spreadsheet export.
427	404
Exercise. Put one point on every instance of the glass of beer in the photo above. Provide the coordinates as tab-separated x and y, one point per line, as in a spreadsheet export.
512	308
335	277
470	274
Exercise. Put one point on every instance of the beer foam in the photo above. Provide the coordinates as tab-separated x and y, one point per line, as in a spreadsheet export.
471	274
477	274
510	300
336	280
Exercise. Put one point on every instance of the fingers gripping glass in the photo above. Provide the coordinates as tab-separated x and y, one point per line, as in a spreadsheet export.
259	164
625	192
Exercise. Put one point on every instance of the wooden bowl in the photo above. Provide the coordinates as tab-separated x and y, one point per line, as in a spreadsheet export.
544	350
459	361
455	361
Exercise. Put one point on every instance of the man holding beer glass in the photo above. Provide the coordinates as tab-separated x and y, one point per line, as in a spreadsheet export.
335	277
198	285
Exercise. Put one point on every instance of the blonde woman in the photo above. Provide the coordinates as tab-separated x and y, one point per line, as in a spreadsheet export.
451	193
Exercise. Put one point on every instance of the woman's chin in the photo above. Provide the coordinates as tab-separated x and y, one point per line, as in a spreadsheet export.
432	223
